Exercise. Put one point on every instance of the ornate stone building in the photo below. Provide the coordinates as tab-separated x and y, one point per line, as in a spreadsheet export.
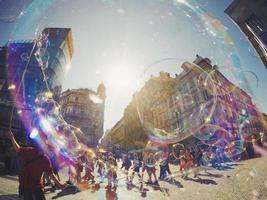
198	105
84	109
115	136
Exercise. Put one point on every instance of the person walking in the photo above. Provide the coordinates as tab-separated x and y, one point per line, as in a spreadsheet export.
182	160
136	168
164	167
112	173
150	167
8	158
126	164
34	164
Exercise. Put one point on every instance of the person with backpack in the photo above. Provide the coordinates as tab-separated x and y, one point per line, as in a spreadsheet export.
34	164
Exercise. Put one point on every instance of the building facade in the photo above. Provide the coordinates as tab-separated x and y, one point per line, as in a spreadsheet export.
197	106
21	77
251	17
84	109
115	136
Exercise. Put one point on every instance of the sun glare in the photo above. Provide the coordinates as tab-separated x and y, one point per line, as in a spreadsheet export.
120	77
181	1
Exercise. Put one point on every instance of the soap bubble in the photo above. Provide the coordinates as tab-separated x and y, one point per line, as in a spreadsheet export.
11	10
162	92
177	150
234	150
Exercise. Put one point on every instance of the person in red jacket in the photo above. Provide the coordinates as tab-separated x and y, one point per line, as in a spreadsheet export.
34	164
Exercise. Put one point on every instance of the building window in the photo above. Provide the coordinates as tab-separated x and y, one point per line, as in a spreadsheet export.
205	95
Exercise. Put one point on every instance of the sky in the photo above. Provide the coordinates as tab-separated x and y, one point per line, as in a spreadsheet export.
116	42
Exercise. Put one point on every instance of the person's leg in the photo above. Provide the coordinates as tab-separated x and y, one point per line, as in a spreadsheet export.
186	170
110	177
78	175
132	177
164	173
143	172
27	194
155	176
70	175
8	163
140	177
20	192
149	175
57	175
160	172
47	180
39	194
168	169
85	177
126	174
115	180
91	177
181	170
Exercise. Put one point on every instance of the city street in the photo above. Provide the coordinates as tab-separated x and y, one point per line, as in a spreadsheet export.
89	89
236	181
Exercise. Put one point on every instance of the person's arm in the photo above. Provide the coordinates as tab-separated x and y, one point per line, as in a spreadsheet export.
56	181
15	145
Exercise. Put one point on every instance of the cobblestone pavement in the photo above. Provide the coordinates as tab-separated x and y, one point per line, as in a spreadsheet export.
246	180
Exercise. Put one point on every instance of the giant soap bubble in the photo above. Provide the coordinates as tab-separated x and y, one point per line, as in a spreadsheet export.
11	10
178	98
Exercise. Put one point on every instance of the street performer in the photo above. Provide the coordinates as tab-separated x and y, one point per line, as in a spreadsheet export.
34	164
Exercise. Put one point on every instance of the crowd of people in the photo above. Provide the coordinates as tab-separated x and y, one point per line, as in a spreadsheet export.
99	165
96	166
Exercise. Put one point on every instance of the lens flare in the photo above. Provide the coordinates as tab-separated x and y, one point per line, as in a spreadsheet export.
34	133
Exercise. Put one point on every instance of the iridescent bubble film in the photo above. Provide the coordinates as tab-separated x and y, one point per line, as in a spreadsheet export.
179	94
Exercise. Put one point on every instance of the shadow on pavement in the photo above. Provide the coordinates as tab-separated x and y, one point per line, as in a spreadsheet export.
212	175
9	197
222	167
173	182
143	191
202	181
67	191
157	187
